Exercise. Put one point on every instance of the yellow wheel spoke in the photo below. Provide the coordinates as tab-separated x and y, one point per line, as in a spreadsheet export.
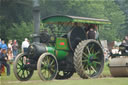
47	59
93	69
92	47
85	54
97	62
84	60
52	62
88	50
97	52
85	66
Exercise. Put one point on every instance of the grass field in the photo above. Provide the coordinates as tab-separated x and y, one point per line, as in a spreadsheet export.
74	80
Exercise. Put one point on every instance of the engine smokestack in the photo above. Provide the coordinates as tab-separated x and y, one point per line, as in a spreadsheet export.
36	16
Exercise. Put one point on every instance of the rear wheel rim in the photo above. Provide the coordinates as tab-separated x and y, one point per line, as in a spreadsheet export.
92	59
89	59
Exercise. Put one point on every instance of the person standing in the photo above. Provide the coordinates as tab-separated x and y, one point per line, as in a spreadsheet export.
126	39
4	58
10	55
0	43
25	45
4	45
15	49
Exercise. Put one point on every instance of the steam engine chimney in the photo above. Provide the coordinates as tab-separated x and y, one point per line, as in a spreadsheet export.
36	16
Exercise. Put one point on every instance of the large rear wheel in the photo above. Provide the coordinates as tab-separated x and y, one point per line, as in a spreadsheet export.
47	66
89	59
20	68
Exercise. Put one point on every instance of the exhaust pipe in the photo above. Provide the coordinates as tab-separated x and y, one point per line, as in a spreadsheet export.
36	17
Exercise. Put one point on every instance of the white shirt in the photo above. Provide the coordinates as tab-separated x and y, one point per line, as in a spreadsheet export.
10	46
115	51
25	44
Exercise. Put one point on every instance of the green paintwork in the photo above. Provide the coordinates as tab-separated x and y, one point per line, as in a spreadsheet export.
51	50
72	19
62	44
60	54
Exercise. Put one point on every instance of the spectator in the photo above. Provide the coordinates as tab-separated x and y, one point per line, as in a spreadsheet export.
15	49
123	42
4	58
10	55
126	39
25	45
0	43
115	50
4	45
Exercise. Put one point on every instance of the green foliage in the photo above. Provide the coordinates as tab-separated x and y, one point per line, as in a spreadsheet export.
20	31
115	15
123	4
13	11
21	11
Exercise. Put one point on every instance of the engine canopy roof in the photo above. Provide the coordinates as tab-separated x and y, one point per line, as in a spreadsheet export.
56	19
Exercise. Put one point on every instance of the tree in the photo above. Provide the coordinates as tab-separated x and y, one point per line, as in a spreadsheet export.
14	12
20	31
123	4
117	18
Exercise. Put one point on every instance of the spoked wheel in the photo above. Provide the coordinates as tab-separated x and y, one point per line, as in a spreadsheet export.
64	75
47	66
89	59
20	68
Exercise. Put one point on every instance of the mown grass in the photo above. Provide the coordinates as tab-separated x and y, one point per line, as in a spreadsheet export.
98	81
106	69
75	80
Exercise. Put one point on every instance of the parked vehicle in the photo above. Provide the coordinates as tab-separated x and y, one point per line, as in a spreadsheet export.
119	63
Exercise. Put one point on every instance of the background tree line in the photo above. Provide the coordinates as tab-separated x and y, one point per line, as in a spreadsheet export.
16	18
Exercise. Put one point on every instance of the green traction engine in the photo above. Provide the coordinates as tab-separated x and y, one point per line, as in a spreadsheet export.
63	49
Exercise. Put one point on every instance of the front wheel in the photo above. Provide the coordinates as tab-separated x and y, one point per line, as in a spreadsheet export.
47	66
89	59
21	70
